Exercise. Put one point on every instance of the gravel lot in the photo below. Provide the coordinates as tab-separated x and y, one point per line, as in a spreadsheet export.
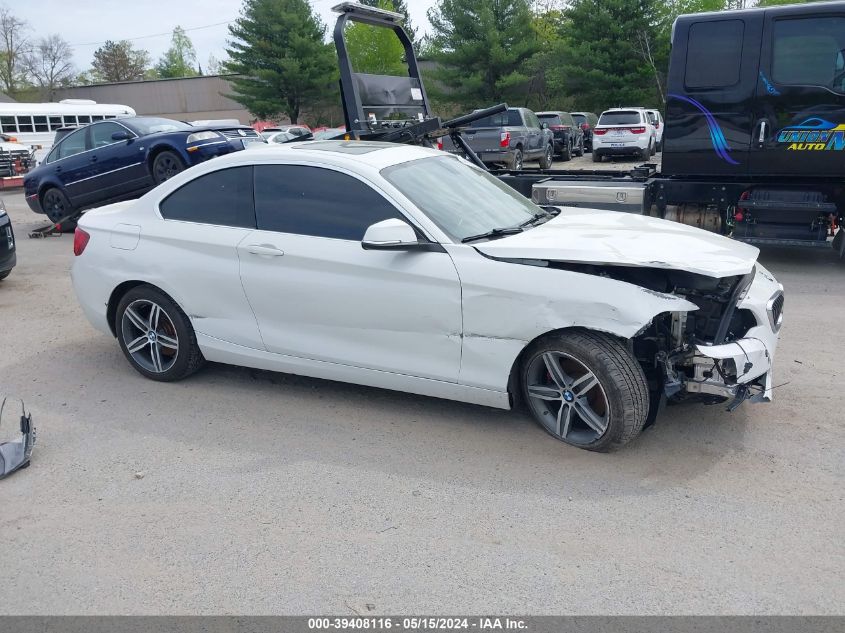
247	492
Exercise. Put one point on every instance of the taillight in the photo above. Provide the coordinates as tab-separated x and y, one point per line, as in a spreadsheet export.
637	130
505	139
558	128
80	241
585	126
440	143
600	131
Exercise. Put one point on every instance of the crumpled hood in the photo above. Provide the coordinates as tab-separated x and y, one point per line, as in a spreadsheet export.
592	236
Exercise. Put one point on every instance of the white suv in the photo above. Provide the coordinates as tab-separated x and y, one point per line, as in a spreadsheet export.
624	131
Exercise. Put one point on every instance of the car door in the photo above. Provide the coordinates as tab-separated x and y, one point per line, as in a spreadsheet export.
317	294
800	126
117	167
193	253
71	166
535	133
710	101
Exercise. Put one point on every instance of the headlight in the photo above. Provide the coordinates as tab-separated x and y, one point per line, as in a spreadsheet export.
202	136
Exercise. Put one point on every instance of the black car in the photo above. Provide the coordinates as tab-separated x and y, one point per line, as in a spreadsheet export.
586	121
569	137
123	158
8	259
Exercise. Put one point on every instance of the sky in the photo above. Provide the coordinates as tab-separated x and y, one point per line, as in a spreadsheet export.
86	24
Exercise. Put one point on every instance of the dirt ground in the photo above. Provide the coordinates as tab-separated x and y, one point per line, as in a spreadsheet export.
248	492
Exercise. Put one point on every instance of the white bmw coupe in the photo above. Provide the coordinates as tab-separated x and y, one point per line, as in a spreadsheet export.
409	269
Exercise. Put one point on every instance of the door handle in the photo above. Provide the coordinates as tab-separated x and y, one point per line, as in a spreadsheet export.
93	159
58	169
264	250
761	139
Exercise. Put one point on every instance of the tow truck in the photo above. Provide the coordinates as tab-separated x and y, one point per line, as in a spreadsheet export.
755	126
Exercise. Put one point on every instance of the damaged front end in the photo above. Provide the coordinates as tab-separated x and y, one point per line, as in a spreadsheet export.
721	352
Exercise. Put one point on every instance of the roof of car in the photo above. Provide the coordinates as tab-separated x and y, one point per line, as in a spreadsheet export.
372	154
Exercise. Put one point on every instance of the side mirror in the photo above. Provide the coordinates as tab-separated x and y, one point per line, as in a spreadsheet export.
121	136
390	235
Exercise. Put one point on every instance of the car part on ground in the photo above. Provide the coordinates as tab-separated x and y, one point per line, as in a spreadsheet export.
16	455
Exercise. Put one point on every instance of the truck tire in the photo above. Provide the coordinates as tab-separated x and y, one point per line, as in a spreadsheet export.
516	161
585	388
547	158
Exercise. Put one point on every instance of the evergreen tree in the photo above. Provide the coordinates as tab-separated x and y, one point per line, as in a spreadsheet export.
118	61
482	48
279	53
180	59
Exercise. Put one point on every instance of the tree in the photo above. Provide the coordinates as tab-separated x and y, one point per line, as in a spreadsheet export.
281	59
180	59
50	63
213	66
482	48
399	6
118	61
13	50
375	50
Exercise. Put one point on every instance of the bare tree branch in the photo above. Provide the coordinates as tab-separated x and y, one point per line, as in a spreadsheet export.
50	63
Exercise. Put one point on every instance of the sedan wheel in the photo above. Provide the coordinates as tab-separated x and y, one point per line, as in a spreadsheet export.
165	166
156	336
586	390
57	207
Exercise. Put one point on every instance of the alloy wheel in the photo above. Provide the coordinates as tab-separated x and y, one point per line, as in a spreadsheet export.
568	397
149	336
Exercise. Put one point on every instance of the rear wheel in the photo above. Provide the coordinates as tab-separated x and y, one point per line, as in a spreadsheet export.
516	161
5	274
165	166
585	389
548	158
59	209
596	157
645	154
156	336
567	150
580	150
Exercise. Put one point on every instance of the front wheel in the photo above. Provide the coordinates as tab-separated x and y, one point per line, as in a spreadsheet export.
5	274
156	336
586	389
58	208
547	158
165	166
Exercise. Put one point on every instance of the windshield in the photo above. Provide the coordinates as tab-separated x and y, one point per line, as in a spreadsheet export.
151	125
460	199
622	117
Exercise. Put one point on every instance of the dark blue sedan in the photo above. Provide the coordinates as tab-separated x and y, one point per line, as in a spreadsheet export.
119	159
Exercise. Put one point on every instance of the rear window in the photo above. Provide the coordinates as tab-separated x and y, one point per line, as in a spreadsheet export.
714	54
551	119
621	117
809	52
503	119
580	119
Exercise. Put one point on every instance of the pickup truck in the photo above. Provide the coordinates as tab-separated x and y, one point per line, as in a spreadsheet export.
508	138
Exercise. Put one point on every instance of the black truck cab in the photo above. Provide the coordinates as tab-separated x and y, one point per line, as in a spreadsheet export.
756	100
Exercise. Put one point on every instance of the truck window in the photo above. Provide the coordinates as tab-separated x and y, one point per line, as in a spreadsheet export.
503	119
808	52
714	54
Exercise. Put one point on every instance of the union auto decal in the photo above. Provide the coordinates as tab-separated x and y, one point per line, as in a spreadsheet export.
814	135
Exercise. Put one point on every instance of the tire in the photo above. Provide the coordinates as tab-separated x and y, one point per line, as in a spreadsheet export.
567	151
645	154
166	165
516	161
547	158
580	151
177	354
653	149
56	206
597	400
5	274
596	157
